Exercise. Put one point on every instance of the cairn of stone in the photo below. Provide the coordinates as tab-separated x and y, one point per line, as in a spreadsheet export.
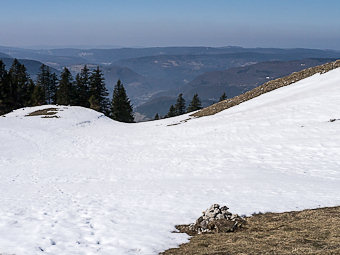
216	219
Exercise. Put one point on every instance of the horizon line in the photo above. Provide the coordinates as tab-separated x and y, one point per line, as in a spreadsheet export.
111	47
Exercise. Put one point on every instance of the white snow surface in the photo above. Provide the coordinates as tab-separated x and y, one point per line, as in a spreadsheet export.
85	184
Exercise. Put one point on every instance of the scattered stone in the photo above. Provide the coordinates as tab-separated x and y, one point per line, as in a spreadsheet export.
216	219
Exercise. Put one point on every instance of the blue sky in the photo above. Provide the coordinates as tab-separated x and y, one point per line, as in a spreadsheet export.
248	23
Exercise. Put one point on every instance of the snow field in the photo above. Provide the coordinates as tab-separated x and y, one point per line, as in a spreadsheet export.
84	184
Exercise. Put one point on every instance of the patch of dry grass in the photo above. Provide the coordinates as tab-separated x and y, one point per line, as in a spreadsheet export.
314	231
45	113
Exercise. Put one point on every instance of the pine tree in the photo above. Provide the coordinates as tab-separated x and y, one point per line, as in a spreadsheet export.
30	91
24	86
121	108
48	82
12	96
156	117
53	88
98	92
180	105
223	97
94	104
83	87
66	91
43	83
18	86
37	96
4	90
172	112
195	104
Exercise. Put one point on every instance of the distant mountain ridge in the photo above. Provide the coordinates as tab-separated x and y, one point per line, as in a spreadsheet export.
32	66
234	81
160	73
101	56
3	55
137	86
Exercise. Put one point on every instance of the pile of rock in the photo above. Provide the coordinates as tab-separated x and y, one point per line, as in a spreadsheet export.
216	219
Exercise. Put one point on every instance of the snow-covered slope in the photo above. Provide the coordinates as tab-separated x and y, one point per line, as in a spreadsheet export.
84	184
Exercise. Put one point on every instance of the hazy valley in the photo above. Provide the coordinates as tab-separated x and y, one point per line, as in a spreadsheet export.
153	77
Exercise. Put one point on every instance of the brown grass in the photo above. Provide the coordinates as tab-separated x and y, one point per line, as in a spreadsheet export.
314	231
266	87
45	113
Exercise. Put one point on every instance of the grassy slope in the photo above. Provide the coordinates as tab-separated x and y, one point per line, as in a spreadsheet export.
314	231
267	87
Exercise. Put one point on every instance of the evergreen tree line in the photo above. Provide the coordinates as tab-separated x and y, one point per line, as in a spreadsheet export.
179	108
88	89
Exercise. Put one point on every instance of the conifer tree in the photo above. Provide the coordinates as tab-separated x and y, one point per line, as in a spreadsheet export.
66	91
37	96
43	82
121	108
26	82
172	112
156	117
98	92
13	83
18	90
18	85
54	88
4	89
30	91
94	104
48	83
195	104
180	105
223	97
83	87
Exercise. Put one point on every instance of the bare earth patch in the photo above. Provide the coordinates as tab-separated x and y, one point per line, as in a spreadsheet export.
315	231
45	113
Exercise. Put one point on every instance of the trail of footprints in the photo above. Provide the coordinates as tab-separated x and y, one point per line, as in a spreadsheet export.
75	223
